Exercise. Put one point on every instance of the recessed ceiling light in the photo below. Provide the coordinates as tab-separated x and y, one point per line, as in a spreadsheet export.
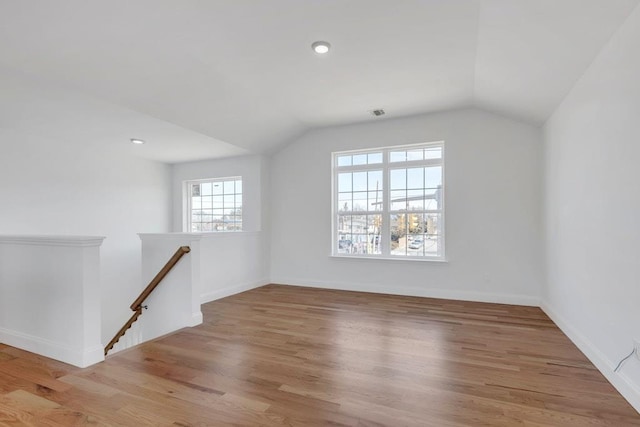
378	112
321	47
137	141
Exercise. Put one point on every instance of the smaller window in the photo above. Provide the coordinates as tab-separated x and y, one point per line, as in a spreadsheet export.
214	205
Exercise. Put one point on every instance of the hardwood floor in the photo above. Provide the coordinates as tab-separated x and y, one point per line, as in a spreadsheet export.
282	355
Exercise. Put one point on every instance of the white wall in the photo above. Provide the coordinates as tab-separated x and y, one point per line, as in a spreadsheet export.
52	187
175	302
67	167
593	209
232	262
493	210
50	296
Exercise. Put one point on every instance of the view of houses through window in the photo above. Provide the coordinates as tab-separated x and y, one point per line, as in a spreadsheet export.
214	205
389	202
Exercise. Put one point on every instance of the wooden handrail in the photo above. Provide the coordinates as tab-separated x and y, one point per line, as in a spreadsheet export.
137	304
123	330
156	280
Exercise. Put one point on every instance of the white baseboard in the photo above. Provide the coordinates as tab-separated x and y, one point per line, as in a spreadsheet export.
619	380
81	357
232	290
196	319
417	292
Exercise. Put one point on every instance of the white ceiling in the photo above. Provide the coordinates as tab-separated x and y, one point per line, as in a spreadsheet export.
235	76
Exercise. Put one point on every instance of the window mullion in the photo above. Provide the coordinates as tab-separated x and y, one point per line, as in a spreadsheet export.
386	219
189	215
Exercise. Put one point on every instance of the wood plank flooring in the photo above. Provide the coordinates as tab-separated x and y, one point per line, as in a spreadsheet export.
295	356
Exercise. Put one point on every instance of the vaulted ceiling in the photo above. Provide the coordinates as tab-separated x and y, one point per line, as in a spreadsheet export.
209	78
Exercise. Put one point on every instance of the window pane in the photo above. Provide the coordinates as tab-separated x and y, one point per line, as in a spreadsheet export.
346	206
374	158
416	235
415	178
375	201
374	239
415	200
345	238
344	182
360	201
345	245
432	199
206	202
433	176
398	200
205	189
344	197
206	215
432	245
360	159
229	187
359	181
416	244
433	153
216	202
398	234
195	189
375	180
415	223
433	224
398	156
344	224
398	178
344	160
415	154
217	188
238	187
360	234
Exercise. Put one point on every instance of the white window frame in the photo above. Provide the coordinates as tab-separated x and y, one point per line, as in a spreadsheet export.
386	166
186	191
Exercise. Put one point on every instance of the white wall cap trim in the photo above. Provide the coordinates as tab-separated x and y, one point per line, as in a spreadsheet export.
51	240
228	234
170	236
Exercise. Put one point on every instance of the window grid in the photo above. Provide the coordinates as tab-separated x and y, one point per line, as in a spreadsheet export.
214	205
403	216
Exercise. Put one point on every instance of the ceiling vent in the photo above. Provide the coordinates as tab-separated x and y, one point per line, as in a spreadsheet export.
377	113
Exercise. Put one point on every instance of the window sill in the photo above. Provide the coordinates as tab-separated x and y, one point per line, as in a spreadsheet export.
394	259
214	234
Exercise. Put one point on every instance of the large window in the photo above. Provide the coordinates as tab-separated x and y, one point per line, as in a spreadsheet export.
389	202
214	204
